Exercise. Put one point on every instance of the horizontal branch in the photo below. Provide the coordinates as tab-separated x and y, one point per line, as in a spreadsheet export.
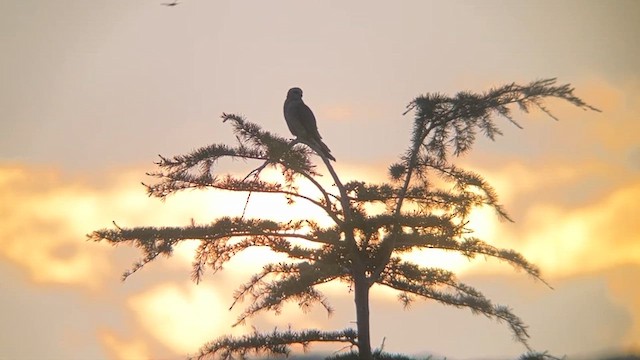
426	222
161	240
173	182
275	343
469	247
216	253
225	227
411	280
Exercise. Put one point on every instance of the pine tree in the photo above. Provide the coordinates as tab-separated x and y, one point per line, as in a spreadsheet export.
361	248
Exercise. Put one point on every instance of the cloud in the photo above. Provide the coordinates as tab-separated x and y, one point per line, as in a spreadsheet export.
572	187
45	216
337	112
620	106
122	349
592	237
182	318
44	220
48	213
565	214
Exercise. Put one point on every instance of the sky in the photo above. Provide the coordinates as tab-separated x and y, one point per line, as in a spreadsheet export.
92	91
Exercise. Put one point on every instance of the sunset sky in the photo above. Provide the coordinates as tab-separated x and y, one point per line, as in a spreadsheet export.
91	92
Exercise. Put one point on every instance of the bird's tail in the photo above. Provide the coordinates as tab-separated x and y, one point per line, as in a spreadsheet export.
323	149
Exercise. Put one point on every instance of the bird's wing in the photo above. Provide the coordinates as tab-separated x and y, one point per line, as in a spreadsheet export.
308	121
294	119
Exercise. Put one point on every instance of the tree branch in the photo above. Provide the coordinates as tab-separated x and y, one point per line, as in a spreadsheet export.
276	343
464	296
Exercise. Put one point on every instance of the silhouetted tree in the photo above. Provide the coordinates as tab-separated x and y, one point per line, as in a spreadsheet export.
361	248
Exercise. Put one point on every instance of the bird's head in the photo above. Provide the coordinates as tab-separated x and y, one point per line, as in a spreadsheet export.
294	93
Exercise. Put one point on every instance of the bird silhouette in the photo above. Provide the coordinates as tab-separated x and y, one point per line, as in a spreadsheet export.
302	123
171	3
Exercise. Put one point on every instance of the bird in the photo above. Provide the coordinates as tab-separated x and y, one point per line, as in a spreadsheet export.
302	123
174	3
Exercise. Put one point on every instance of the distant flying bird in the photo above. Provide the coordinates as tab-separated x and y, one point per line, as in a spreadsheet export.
302	123
171	4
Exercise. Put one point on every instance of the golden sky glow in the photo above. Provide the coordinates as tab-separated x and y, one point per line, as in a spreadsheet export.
92	91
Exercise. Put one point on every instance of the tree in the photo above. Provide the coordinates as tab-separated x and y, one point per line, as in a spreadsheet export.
361	248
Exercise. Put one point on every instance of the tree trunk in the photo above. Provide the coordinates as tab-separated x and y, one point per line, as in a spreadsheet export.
362	316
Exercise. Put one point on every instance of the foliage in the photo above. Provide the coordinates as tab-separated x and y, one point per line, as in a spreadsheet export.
275	343
377	355
427	199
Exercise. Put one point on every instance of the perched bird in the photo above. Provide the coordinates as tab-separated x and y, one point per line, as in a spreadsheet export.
302	123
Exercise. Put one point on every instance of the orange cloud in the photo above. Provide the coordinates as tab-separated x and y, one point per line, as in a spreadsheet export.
45	217
183	318
44	221
594	237
123	349
516	179
560	234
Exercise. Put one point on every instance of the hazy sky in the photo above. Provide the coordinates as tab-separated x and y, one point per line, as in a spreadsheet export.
92	91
